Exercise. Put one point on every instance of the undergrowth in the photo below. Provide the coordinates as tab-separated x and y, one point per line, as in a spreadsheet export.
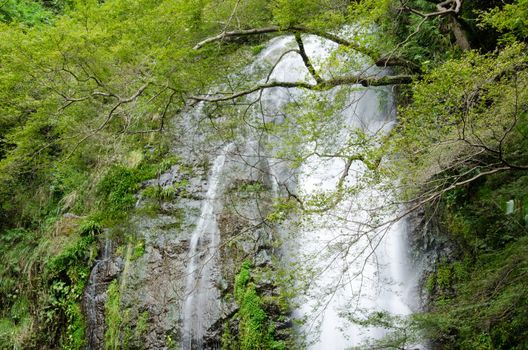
255	330
479	299
41	295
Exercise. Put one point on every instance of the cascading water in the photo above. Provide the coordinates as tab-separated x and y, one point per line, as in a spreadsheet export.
201	303
356	269
95	297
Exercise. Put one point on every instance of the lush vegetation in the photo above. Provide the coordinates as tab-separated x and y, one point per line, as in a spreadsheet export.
254	329
43	282
465	125
90	93
479	296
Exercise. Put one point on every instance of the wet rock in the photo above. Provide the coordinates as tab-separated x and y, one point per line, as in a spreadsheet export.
153	284
262	259
115	267
284	324
430	244
105	269
154	256
213	336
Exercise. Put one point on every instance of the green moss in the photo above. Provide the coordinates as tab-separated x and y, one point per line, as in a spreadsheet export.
179	215
170	343
167	193
444	276
125	326
228	340
138	250
120	184
141	325
252	187
255	329
430	283
242	279
255	50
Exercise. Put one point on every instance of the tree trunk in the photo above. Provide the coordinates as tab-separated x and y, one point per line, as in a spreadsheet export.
460	34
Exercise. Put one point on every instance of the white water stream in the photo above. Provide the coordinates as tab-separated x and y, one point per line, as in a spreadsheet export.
201	303
356	270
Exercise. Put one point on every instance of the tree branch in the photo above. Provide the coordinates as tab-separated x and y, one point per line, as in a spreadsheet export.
306	60
237	33
448	7
322	86
110	115
305	30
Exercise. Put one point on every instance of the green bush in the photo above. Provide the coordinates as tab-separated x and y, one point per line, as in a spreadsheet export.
24	11
67	274
255	330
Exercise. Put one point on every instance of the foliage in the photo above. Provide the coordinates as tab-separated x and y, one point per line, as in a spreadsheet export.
67	274
486	312
426	43
401	332
23	11
512	17
255	329
90	95
138	250
42	293
479	298
15	317
167	193
294	12
113	317
125	327
465	107
90	227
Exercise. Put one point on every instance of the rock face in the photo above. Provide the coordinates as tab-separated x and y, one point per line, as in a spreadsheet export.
106	269
151	265
152	283
430	244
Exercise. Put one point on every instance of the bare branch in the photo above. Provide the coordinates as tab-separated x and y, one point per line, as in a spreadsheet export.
448	7
322	86
293	29
236	33
306	60
110	115
380	61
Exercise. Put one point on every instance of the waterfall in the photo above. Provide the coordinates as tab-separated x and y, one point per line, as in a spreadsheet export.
95	296
355	269
201	303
